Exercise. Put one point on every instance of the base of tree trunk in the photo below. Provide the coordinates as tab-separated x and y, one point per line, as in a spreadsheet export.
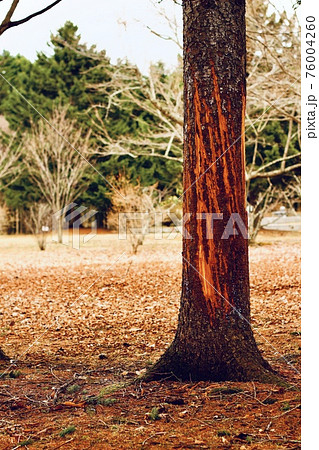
3	356
224	352
172	366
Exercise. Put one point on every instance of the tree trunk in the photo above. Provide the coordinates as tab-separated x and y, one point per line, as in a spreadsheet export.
17	221
60	229
214	339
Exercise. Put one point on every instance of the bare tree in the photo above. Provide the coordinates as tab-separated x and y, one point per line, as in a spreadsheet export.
273	87
38	222
257	212
270	198
7	23
292	194
160	95
56	155
134	210
9	160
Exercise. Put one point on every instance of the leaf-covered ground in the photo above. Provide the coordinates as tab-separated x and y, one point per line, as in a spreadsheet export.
79	326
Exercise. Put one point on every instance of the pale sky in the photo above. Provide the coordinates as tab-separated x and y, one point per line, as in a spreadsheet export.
118	26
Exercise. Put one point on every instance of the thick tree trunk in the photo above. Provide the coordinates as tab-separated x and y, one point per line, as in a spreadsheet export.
214	340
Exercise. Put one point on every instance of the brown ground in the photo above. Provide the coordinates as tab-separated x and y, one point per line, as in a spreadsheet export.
80	325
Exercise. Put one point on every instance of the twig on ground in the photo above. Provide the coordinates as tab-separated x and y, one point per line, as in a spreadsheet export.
286	412
64	443
53	374
150	437
254	387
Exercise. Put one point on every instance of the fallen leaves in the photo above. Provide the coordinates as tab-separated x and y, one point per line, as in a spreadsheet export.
63	333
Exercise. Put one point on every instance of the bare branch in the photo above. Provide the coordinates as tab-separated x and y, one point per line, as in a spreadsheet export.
9	160
53	164
38	223
6	24
6	20
275	173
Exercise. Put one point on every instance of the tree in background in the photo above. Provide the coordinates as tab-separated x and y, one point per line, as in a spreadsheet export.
159	96
56	156
38	222
10	166
273	101
17	70
134	209
9	159
50	81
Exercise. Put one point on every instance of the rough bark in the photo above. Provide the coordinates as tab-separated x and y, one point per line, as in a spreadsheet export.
214	339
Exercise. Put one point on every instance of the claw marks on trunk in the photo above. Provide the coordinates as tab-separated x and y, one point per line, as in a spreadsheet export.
214	184
211	288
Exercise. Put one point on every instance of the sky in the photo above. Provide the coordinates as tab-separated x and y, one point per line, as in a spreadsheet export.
118	26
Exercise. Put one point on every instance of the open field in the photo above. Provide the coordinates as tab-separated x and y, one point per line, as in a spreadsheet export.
80	325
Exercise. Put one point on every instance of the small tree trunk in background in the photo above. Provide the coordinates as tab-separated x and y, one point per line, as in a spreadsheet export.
214	339
41	239
17	221
60	229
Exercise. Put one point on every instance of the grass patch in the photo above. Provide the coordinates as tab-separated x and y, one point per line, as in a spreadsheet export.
110	389
107	401
73	388
26	442
100	401
226	391
12	374
222	433
154	414
285	406
68	430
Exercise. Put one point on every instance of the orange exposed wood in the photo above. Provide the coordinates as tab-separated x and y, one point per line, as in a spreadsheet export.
212	157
